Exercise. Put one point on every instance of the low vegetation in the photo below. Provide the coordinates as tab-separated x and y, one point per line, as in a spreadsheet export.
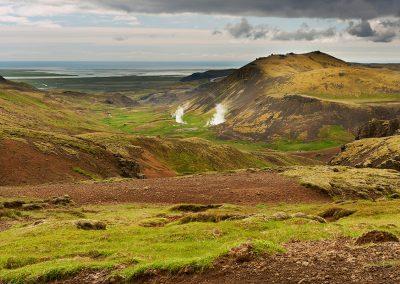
344	182
46	244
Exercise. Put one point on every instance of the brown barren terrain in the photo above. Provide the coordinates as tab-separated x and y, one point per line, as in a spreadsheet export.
338	261
236	188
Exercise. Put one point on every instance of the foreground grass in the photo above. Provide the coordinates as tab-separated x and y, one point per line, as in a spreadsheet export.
56	249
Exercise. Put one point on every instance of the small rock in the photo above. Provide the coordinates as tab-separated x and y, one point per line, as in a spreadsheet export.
317	218
90	225
62	200
242	253
299	215
280	216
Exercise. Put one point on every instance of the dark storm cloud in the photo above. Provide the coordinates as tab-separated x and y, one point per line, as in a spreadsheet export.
384	30
342	9
361	29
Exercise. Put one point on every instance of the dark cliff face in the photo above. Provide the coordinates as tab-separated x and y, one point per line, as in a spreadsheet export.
210	74
2	80
379	128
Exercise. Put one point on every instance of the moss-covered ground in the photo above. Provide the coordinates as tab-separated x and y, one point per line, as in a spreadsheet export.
45	244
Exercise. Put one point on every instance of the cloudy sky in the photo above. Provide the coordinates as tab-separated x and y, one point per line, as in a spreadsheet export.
197	30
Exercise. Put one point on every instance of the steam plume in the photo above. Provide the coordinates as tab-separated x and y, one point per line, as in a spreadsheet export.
219	116
179	115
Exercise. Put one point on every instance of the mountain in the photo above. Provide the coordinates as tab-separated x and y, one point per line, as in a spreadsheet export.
300	96
208	75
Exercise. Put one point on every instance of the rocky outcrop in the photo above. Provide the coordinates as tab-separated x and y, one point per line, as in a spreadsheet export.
379	128
129	168
381	153
2	80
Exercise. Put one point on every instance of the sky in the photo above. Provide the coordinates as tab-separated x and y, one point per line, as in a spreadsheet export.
197	30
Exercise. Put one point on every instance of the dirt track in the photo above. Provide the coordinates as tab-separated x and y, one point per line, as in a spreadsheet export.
235	188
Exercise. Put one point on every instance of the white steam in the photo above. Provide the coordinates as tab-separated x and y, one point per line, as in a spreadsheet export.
179	115
219	116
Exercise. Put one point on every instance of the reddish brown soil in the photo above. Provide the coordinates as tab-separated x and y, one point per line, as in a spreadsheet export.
153	168
21	163
237	188
327	262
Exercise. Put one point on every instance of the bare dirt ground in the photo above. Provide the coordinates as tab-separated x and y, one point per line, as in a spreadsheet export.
235	188
22	164
322	155
339	261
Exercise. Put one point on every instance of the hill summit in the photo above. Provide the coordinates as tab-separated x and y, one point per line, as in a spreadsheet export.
293	96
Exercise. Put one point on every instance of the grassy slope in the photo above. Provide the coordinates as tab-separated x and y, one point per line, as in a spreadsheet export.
56	249
330	136
185	156
31	109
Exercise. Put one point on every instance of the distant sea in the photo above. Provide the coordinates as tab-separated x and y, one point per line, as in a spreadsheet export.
66	69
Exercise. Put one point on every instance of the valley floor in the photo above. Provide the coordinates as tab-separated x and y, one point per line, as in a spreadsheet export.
243	187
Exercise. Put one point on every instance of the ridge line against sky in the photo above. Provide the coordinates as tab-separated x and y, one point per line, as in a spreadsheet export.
181	30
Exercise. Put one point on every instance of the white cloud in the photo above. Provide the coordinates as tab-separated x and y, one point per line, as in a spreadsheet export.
23	12
127	18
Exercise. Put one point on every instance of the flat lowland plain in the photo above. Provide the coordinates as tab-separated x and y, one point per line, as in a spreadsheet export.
245	227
